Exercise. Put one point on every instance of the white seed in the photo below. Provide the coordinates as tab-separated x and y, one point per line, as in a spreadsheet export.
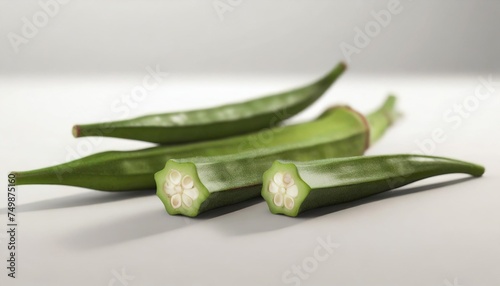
273	188
169	190
192	193
187	200
287	179
292	191
175	201
169	183
289	202
278	179
187	182
278	199
175	177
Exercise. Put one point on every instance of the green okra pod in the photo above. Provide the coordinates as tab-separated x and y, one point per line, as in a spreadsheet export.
291	188
217	122
191	186
134	170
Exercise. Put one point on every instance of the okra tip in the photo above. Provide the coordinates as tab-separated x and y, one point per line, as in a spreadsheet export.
283	189
179	188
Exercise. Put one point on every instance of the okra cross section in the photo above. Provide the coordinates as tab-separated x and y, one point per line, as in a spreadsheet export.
291	188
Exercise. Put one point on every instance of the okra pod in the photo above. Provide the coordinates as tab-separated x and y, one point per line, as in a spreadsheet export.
291	188
134	170
218	122
191	186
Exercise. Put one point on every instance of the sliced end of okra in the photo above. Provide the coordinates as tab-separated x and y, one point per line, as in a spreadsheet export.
179	188
76	131
283	189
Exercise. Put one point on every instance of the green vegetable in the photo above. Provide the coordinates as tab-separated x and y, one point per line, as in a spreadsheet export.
217	122
293	187
134	170
194	185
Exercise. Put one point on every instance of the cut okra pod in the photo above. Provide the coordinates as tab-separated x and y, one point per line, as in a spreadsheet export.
291	188
217	122
192	186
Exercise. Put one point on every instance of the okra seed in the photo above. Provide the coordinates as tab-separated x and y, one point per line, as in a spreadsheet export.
176	201
193	193
287	179
187	182
292	191
289	202
278	179
175	177
187	200
273	187
278	199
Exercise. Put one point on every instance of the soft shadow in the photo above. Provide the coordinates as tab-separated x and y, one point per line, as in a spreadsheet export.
254	218
228	209
258	219
79	200
248	217
127	228
148	223
382	196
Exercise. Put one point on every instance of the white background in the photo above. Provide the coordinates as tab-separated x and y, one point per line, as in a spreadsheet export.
258	36
79	67
428	233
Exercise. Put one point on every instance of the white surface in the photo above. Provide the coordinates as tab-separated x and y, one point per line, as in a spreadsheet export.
436	232
256	36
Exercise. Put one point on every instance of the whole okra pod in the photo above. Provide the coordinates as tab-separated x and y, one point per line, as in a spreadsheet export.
217	122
